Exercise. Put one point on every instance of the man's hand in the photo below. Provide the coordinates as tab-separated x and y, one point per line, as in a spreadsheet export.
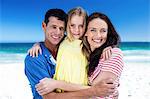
46	85
104	88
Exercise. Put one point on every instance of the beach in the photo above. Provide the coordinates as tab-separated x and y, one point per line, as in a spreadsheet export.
134	81
14	84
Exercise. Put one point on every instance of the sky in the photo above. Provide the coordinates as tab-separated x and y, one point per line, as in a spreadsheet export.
20	20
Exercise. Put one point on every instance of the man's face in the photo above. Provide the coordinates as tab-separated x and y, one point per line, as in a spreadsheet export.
54	30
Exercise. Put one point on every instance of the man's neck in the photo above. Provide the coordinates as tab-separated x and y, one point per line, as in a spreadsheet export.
52	48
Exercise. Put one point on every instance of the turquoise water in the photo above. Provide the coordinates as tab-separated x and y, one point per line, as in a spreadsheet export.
133	51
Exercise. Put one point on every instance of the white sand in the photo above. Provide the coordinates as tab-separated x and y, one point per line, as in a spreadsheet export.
13	83
135	82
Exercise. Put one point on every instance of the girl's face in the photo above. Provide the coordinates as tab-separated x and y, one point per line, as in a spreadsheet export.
77	26
96	33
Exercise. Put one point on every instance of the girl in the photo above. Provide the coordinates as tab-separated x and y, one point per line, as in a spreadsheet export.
71	65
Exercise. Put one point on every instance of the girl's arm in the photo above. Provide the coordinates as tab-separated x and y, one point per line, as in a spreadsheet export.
35	50
47	85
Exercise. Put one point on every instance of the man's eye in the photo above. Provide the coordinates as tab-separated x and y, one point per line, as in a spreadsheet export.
54	27
62	29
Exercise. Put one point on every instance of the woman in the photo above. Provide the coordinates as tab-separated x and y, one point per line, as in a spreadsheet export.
100	34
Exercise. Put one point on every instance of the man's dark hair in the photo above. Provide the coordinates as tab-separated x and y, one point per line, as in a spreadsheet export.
59	13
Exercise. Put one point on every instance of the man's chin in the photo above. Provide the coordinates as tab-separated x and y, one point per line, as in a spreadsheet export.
56	42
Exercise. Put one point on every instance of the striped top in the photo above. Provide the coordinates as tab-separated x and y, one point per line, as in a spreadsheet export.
114	65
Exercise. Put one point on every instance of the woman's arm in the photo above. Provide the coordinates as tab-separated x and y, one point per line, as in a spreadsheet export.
47	85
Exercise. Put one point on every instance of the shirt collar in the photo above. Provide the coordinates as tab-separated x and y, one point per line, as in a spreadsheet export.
47	53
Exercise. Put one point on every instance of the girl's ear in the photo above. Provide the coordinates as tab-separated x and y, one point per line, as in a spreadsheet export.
44	26
85	34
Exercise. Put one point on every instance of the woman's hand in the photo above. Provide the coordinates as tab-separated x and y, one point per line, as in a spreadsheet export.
46	85
35	50
107	52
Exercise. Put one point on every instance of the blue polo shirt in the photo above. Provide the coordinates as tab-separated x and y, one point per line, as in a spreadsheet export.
38	68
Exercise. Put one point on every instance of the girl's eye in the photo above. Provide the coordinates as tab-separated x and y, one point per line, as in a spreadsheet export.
81	26
72	25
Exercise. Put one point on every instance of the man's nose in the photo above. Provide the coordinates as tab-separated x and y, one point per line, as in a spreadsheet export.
58	31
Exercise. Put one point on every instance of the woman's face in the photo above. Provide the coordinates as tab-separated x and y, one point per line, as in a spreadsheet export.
76	26
96	33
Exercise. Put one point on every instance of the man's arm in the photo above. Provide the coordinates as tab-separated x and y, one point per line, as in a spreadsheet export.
35	70
100	89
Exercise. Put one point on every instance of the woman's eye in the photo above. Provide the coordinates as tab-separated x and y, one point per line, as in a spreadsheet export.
103	30
93	30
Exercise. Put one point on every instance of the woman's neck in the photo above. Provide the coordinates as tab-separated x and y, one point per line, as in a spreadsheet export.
92	49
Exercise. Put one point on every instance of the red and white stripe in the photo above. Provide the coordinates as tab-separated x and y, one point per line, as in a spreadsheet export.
114	65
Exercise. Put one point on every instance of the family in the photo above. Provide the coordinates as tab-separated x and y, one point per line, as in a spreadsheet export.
80	57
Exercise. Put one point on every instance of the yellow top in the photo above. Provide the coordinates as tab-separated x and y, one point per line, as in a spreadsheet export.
71	65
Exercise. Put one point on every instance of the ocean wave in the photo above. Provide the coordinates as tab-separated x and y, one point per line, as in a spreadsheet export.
136	55
137	59
129	56
136	52
11	58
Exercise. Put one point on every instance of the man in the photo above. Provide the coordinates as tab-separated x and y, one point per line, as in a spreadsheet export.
43	66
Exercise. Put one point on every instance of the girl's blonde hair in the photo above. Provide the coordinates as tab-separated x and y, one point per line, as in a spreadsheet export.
76	11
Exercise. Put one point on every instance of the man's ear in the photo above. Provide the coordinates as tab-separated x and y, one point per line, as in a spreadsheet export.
44	26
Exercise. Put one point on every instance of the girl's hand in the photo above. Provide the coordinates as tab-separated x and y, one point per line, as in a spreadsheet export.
46	85
35	50
107	52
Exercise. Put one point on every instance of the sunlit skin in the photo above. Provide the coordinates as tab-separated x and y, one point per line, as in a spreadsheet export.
54	31
97	33
76	26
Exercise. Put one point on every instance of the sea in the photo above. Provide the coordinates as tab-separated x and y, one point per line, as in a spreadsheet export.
133	51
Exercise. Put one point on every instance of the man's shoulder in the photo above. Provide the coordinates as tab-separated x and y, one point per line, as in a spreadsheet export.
29	58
